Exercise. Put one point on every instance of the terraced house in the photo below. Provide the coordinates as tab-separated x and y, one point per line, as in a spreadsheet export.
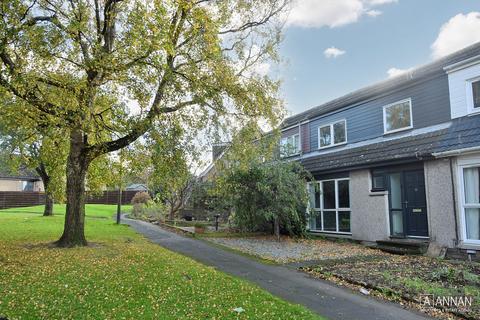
398	161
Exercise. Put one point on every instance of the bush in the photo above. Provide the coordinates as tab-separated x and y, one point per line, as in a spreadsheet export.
141	198
266	193
201	225
149	211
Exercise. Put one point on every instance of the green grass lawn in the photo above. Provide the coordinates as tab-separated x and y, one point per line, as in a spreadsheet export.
122	276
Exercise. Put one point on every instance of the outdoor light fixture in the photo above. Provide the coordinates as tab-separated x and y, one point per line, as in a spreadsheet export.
216	221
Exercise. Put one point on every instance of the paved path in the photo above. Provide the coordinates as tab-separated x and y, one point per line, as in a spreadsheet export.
320	296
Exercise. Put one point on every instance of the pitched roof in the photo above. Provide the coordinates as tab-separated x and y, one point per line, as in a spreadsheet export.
462	133
137	186
22	173
396	83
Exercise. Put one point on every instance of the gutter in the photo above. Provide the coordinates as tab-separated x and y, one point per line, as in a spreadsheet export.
462	64
456	152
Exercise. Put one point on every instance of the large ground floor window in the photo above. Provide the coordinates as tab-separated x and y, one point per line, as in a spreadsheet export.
329	205
470	201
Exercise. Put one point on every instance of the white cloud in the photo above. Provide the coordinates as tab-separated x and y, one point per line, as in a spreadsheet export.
373	13
380	2
459	32
393	72
331	13
333	52
320	13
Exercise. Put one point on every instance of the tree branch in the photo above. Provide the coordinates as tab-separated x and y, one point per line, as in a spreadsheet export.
253	24
108	31
34	20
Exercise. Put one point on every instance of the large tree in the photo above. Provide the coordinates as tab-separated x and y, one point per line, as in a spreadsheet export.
80	64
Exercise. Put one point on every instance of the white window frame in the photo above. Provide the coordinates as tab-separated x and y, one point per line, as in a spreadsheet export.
332	135
337	209
297	151
465	164
470	103
409	100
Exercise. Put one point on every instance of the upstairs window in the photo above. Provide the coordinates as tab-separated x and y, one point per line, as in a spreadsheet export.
290	145
476	95
332	134
397	116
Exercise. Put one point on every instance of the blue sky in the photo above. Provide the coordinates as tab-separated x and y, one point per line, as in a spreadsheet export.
375	36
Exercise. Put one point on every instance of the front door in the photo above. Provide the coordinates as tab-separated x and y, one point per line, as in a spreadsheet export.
408	205
415	203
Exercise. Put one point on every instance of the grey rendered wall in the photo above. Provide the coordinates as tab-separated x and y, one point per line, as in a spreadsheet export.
430	106
441	213
369	217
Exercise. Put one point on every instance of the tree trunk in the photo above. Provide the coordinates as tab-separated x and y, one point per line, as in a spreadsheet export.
119	203
77	166
172	213
42	172
276	228
48	211
175	206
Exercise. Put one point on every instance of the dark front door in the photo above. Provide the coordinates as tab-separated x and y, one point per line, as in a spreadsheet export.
415	204
408	205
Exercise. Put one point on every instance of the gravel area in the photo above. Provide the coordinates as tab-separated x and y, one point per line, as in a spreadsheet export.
289	250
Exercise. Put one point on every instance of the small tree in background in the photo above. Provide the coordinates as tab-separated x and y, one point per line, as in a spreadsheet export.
173	153
266	194
44	153
139	200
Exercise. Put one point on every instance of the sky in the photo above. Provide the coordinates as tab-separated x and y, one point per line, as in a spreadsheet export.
333	47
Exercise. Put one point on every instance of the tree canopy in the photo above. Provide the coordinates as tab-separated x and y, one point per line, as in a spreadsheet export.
268	196
103	71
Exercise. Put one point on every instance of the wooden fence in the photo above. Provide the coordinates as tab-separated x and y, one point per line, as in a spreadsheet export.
17	199
111	197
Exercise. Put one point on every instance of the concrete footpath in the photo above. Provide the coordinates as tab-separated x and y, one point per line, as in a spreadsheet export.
320	296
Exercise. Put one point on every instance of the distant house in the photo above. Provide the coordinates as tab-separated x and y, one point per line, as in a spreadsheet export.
210	172
136	187
23	180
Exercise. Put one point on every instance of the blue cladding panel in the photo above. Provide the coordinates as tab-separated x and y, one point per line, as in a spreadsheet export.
430	106
290	132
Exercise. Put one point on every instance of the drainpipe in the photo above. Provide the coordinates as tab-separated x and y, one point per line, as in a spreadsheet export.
454	197
300	137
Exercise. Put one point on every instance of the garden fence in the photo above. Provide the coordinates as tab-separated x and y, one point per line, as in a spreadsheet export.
17	199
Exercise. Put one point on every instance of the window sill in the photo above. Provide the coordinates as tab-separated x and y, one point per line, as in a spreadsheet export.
475	245
473	112
332	233
290	155
397	131
373	193
332	146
